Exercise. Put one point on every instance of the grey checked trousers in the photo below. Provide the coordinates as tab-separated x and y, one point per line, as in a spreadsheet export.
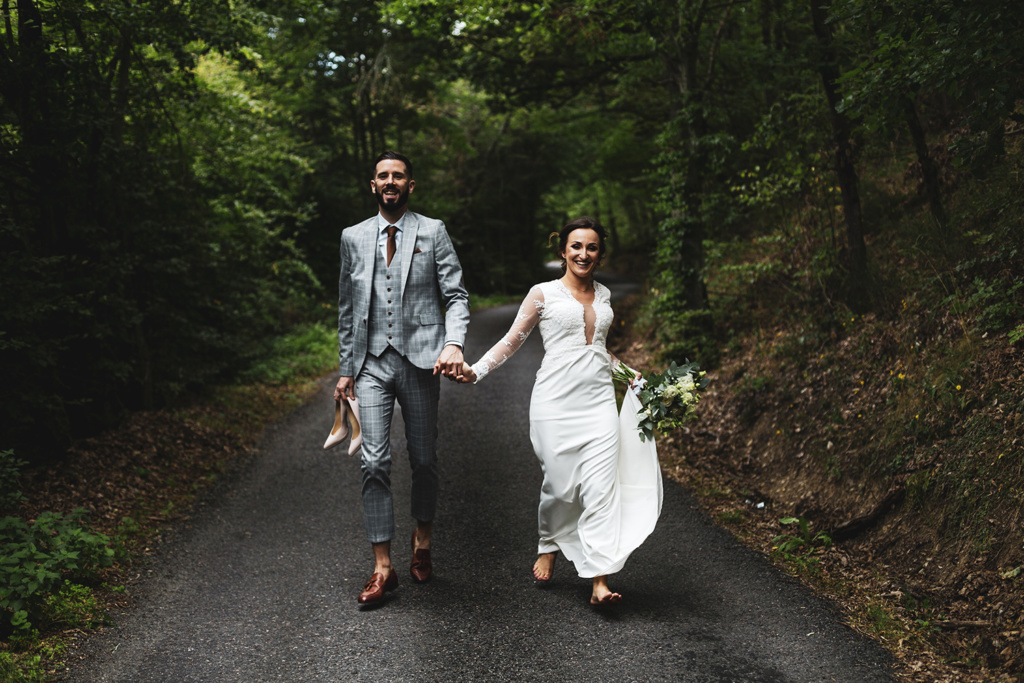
381	382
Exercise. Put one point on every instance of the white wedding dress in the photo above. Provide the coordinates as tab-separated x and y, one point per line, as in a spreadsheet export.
602	491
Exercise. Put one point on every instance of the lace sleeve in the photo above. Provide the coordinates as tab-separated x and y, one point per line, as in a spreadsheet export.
526	320
616	361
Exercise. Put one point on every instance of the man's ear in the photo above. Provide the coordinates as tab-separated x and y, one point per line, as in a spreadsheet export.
412	186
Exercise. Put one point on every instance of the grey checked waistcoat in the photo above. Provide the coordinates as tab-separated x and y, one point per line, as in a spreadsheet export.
385	324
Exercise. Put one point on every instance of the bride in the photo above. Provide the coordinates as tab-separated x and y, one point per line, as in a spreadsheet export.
601	494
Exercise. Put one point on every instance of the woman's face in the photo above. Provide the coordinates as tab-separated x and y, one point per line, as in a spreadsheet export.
582	251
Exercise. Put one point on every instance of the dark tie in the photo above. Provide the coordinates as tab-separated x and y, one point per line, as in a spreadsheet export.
391	230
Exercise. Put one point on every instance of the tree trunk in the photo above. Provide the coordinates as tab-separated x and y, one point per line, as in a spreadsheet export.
928	168
691	259
844	157
34	109
679	38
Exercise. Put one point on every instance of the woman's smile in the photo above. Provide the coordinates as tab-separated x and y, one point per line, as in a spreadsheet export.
581	251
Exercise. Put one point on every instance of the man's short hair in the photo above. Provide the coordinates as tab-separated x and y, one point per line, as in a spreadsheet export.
395	156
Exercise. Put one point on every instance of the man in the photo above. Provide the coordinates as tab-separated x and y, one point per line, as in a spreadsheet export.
394	341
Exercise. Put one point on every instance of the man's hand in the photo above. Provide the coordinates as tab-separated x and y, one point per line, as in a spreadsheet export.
346	387
450	362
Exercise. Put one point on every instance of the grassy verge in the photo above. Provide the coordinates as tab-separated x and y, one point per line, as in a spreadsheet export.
477	302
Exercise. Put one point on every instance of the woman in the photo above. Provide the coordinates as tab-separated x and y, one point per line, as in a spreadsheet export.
601	495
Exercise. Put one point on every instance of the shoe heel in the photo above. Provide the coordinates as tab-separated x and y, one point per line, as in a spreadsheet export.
357	431
339	432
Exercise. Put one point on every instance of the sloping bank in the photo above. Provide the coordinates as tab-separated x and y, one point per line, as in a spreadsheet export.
902	442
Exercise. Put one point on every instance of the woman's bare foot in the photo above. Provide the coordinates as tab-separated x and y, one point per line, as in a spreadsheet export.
602	594
544	567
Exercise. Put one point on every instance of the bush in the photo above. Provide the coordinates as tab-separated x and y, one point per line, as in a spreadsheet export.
73	606
21	668
306	351
36	558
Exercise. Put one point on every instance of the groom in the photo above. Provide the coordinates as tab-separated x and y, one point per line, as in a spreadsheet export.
394	340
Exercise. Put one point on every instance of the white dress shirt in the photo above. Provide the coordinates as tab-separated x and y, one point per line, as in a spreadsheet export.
382	235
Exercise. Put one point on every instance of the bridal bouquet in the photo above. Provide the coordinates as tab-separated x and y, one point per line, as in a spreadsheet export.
668	398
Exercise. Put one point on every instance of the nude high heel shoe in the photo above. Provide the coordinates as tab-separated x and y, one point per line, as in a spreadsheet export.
340	430
357	432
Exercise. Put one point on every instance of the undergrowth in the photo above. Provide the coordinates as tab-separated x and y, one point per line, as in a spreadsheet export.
920	395
47	569
920	371
279	381
57	572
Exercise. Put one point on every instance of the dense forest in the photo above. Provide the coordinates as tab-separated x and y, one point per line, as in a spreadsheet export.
175	175
174	178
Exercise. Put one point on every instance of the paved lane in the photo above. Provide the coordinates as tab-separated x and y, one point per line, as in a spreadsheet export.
262	585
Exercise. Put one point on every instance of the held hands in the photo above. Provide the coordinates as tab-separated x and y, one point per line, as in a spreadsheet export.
468	376
450	363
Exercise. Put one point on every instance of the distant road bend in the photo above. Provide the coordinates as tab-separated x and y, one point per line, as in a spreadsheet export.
261	585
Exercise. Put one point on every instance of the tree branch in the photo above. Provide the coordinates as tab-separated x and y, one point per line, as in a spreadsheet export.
715	43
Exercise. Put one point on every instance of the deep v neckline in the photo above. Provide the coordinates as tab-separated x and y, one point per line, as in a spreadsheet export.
593	312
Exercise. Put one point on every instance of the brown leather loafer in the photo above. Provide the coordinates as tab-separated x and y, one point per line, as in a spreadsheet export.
377	586
421	568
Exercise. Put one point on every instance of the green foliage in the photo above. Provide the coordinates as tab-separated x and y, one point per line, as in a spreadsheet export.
36	559
21	668
126	534
308	351
478	303
1016	334
73	606
668	398
881	620
207	157
731	517
988	278
995	304
169	253
959	50
175	177
681	332
800	547
10	471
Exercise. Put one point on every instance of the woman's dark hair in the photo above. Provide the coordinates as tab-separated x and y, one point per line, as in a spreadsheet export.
396	157
585	223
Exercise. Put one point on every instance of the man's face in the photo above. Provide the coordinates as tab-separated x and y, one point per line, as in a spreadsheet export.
392	185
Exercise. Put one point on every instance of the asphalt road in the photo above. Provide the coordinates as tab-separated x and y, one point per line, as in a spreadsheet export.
261	585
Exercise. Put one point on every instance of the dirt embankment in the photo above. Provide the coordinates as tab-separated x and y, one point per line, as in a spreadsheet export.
918	486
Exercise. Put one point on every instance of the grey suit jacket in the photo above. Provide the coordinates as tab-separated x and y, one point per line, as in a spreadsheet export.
431	278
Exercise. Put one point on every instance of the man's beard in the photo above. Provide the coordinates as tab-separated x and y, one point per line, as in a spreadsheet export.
398	203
